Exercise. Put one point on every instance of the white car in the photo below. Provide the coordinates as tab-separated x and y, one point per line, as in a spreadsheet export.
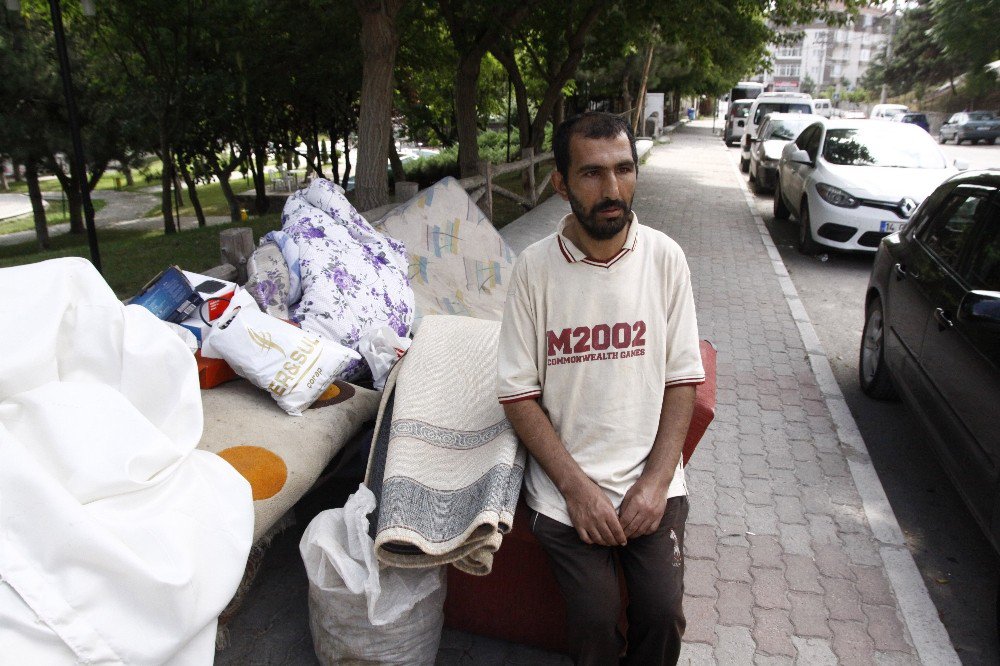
851	182
770	102
776	130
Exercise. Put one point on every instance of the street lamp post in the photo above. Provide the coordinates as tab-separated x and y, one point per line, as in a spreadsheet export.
78	162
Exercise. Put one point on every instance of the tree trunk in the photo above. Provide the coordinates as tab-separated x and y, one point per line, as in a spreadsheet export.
75	203
398	173
347	160
641	101
178	190
334	160
127	172
626	94
227	192
379	41
466	98
37	205
257	162
506	58
559	112
166	178
193	195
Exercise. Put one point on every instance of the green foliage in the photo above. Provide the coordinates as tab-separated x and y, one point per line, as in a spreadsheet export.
131	257
492	147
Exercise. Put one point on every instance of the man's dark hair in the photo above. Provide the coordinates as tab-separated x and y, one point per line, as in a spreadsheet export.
592	125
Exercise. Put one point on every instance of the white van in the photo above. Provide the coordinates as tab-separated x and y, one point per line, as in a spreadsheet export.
770	102
823	107
887	111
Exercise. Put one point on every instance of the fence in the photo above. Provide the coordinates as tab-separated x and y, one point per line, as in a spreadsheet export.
482	186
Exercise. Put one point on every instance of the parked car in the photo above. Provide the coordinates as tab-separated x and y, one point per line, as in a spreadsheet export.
771	102
971	126
736	120
887	111
918	119
851	182
823	107
776	130
932	332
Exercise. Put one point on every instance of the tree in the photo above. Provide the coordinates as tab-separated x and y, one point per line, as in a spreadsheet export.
379	41
475	26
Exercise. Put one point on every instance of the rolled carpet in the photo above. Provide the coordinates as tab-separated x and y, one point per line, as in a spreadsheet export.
446	464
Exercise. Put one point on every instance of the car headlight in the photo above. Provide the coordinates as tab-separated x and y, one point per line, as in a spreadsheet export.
836	196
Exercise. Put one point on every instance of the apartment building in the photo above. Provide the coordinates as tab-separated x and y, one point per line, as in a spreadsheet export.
829	55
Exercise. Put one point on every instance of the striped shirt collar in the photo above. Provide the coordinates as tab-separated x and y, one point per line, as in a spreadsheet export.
573	254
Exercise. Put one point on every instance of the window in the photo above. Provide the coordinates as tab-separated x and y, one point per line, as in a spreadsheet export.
866	54
806	135
881	147
948	231
790	51
788	70
984	268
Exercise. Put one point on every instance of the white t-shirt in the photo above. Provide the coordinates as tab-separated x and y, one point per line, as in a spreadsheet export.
596	343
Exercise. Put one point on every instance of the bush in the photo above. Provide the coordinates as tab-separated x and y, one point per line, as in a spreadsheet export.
492	146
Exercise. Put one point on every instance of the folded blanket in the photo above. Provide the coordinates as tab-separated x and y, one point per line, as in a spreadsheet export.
446	464
458	263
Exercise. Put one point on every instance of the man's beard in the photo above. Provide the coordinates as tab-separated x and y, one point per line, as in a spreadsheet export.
601	228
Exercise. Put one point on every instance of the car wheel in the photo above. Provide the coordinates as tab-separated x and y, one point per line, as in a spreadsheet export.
744	165
806	243
780	209
958	139
873	374
991	141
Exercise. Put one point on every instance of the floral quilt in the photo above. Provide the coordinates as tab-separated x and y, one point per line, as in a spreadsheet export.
353	278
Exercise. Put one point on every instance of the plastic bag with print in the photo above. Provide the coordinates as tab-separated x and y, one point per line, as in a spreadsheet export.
293	365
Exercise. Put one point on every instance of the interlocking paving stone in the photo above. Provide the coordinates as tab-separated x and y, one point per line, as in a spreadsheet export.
772	631
735	603
735	646
814	652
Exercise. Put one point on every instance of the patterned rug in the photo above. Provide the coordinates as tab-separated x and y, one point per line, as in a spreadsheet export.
445	464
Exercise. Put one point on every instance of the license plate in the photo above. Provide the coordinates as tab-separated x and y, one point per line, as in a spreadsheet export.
891	227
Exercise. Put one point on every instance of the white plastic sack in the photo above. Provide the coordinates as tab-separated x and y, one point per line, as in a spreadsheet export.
381	347
360	612
119	541
293	365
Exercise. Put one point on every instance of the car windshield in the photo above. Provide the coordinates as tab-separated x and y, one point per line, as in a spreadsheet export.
874	146
779	107
784	130
982	115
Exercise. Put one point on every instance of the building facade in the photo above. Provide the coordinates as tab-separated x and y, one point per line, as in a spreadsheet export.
828	56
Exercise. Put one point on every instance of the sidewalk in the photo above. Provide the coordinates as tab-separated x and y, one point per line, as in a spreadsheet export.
793	554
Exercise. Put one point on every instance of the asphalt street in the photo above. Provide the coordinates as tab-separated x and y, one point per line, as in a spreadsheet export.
958	565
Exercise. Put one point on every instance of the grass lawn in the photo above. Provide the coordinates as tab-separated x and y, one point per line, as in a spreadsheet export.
53	216
130	258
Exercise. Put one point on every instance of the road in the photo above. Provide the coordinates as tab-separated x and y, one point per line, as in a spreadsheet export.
958	565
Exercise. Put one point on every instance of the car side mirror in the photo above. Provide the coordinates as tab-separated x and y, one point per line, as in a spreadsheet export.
961	165
800	156
981	307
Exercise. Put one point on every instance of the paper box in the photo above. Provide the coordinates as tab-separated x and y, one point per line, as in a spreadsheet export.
215	292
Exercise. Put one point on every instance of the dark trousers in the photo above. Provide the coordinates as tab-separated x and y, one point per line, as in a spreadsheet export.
653	567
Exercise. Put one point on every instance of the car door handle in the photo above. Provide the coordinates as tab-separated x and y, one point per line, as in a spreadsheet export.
901	272
943	320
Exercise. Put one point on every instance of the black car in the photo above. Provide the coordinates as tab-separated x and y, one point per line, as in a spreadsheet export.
918	119
932	332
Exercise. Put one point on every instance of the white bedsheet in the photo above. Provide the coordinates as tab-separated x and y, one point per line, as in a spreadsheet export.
119	541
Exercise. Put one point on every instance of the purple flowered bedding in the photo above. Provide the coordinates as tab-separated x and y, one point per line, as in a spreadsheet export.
353	278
